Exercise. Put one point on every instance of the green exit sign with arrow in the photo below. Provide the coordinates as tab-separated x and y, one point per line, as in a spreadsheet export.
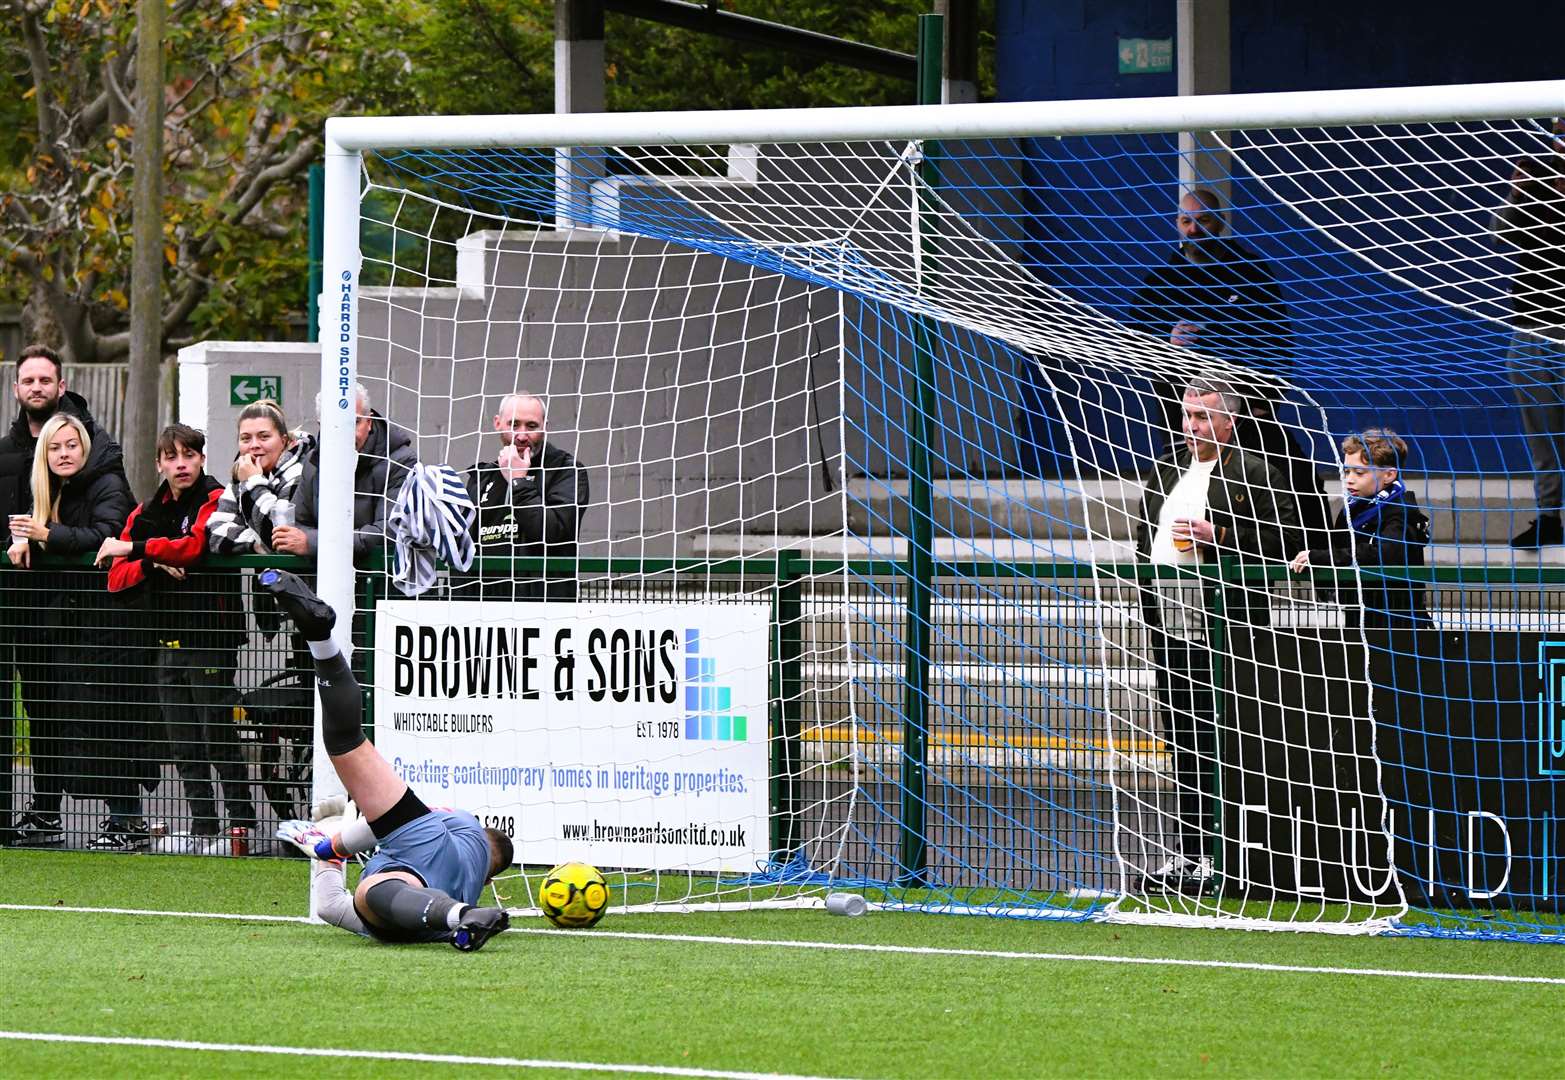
1146	56
244	389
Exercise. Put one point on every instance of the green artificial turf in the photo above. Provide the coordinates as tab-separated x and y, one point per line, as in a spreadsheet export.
593	997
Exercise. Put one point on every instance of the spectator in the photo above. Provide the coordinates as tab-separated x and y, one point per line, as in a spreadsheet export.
385	455
1380	525
40	391
266	474
530	503
201	625
1208	501
84	738
1532	221
1217	295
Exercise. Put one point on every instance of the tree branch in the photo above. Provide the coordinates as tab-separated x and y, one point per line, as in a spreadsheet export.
180	310
19	256
112	80
38	65
257	186
113	347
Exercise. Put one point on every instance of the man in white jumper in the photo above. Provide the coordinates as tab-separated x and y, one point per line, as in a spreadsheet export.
1205	502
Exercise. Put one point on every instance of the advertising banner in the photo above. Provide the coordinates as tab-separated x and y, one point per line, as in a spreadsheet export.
623	735
1461	732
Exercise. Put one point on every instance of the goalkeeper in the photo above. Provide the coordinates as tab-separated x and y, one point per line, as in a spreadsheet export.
426	880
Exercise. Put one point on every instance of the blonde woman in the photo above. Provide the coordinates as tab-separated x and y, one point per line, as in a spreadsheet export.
78	500
84	649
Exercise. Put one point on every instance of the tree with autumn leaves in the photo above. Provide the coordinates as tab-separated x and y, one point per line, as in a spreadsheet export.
249	84
243	102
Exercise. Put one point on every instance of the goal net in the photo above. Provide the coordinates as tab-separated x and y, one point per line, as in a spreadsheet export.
988	509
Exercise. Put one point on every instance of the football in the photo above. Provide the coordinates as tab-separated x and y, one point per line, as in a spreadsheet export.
574	896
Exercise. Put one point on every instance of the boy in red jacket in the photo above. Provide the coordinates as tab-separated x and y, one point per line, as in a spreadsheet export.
164	539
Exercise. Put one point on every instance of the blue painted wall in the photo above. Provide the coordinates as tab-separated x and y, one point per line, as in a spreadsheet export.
1099	216
1055	49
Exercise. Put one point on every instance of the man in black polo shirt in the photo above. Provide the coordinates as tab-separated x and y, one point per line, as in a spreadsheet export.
530	502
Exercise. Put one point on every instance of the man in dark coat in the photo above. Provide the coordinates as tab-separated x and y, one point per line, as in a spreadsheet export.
1216	295
1206	502
40	391
530	504
386	457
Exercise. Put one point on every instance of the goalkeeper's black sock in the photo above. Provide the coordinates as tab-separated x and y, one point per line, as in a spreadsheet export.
342	704
408	907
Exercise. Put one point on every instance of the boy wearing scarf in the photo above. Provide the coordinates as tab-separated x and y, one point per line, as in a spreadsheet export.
1380	525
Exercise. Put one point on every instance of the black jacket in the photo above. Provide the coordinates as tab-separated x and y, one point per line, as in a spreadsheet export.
1396	537
536	515
1253	514
381	470
94	725
539	515
18	445
1234	300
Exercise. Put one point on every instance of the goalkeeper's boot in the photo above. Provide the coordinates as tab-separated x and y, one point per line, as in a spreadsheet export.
477	926
313	617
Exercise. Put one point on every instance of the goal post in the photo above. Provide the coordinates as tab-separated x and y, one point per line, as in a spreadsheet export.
754	324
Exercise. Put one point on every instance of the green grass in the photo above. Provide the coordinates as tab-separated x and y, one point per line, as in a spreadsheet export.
592	997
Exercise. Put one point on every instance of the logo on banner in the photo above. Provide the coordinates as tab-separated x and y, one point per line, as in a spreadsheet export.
708	703
1551	708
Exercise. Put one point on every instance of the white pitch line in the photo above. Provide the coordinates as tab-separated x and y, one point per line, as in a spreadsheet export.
164	914
1075	958
905	950
399	1055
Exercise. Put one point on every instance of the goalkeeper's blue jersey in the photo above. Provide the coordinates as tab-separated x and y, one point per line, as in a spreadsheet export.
447	848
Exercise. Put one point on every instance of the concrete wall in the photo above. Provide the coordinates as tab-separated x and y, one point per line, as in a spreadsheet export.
206	373
680	379
701	394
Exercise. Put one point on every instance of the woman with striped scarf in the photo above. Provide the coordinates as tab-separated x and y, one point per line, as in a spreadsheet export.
266	475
